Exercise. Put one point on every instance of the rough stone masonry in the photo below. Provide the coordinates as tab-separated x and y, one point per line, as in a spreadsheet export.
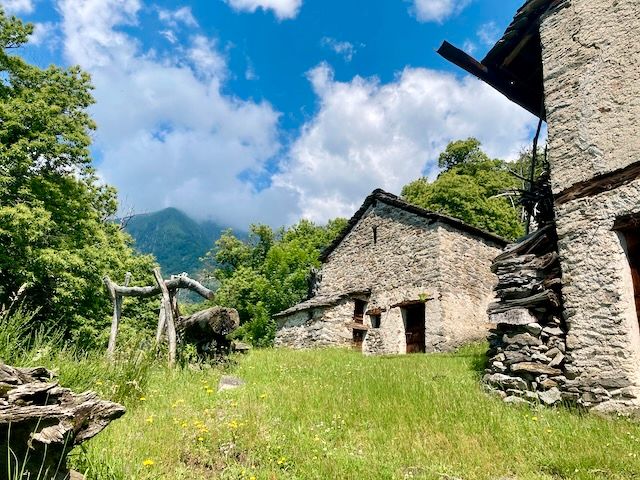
400	279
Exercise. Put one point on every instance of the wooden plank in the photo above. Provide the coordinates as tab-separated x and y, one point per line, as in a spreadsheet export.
599	184
521	94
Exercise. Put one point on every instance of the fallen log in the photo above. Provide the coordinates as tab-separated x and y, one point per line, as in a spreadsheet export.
40	422
208	329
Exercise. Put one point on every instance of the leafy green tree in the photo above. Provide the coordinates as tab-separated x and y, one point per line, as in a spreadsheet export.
268	272
55	233
473	188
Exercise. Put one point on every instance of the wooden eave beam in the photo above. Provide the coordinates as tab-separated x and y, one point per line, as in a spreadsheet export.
499	81
600	184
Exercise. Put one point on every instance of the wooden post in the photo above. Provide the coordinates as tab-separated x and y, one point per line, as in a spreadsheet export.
162	321
117	312
171	327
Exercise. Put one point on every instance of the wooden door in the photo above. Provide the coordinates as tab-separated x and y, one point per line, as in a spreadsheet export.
415	327
632	237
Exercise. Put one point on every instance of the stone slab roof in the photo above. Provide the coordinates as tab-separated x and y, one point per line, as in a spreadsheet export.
320	301
380	195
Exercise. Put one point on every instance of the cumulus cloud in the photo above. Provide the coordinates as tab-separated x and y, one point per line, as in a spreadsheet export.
283	9
345	49
437	10
367	134
167	134
17	6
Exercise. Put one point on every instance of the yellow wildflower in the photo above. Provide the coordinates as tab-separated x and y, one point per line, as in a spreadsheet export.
142	399
149	419
148	462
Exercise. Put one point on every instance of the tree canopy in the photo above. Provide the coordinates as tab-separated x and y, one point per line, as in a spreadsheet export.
268	272
55	234
473	188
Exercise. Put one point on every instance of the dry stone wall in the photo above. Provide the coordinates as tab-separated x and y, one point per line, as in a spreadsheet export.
527	346
319	327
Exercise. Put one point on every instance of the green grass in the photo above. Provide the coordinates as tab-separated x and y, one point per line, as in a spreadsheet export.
337	414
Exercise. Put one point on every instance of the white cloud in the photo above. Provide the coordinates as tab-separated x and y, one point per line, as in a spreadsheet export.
181	15
17	6
283	9
169	35
437	10
44	33
345	49
167	134
367	135
469	46
489	33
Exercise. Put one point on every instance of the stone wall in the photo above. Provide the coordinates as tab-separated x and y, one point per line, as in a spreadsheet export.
412	258
591	58
465	288
603	339
319	327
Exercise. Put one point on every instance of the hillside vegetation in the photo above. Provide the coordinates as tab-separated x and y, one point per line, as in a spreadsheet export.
173	238
337	414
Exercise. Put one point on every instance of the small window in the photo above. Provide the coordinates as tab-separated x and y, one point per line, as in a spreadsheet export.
375	235
375	321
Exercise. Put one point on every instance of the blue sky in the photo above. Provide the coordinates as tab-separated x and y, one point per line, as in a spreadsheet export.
270	110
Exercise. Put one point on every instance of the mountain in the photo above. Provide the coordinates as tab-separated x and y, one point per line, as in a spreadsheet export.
176	240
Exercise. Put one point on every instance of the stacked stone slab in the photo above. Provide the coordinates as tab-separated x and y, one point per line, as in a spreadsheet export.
528	342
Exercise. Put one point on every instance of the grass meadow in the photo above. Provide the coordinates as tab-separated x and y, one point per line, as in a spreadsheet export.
329	414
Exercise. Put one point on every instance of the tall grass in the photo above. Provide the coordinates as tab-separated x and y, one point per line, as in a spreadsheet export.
123	380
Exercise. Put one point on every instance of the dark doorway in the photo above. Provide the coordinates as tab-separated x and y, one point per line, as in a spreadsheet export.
414	320
358	339
632	239
358	311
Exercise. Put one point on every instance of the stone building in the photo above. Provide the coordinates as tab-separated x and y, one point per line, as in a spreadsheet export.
576	64
400	279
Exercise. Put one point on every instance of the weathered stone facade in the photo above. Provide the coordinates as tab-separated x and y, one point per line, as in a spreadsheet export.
394	256
591	59
583	57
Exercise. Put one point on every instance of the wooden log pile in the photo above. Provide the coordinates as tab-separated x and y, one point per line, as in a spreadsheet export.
527	346
40	422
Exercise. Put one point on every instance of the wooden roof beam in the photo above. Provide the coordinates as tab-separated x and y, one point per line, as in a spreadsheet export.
524	97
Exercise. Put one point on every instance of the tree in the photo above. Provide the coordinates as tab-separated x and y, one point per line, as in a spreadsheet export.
473	188
268	272
461	152
55	233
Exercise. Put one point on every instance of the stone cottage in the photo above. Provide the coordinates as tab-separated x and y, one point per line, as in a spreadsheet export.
400	279
576	64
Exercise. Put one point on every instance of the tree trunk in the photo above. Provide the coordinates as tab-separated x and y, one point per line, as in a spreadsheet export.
40	422
209	328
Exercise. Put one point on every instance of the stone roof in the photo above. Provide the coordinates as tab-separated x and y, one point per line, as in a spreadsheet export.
380	195
320	301
514	65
